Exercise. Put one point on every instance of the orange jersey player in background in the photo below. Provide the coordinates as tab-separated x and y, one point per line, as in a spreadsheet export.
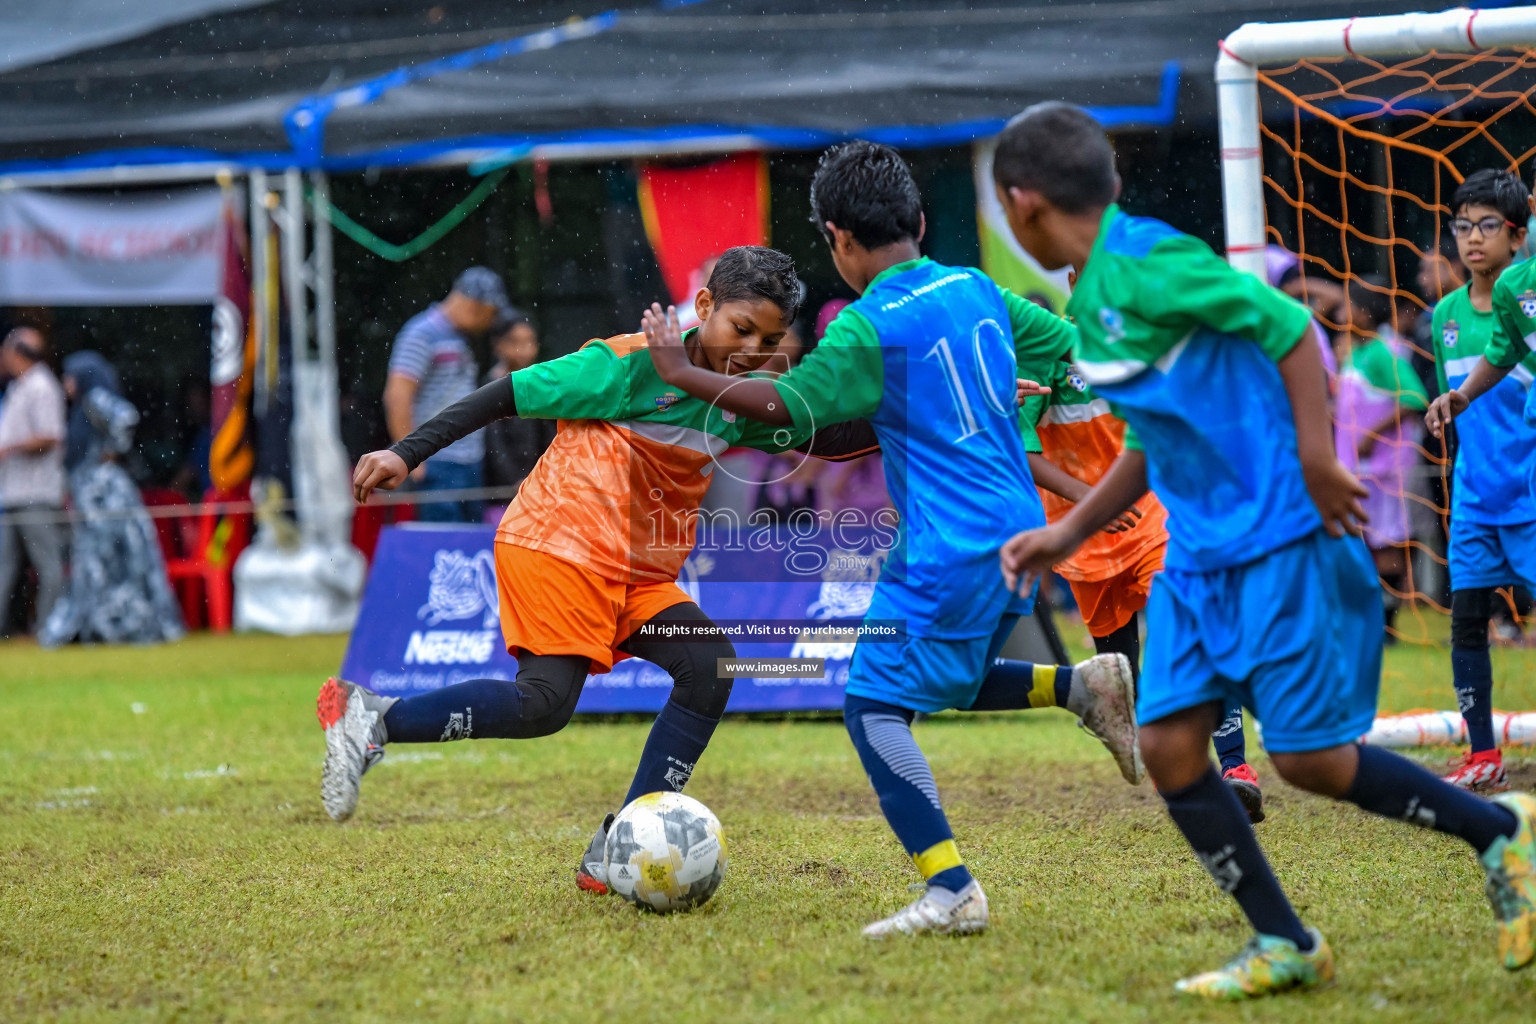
588	553
1073	437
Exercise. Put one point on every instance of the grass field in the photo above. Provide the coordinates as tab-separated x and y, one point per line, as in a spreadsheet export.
164	856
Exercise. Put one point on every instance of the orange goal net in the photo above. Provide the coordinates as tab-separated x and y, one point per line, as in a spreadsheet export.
1358	159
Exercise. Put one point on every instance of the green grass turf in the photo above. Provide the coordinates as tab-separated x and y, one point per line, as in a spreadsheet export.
163	855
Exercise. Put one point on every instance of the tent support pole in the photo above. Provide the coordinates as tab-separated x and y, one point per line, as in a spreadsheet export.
261	278
325	270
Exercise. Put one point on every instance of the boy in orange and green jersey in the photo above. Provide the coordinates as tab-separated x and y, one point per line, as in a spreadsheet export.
588	553
1073	437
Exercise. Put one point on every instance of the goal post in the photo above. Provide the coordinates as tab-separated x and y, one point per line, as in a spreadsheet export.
1463	30
1341	143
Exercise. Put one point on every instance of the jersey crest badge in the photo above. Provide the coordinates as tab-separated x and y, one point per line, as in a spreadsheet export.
1076	379
1528	304
666	400
1113	324
728	416
1450	333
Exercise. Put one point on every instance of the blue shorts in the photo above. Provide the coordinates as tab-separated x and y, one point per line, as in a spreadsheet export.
1484	555
1294	636
925	673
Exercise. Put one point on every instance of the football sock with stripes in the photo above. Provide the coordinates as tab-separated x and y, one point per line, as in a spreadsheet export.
1230	742
676	742
1217	828
899	773
1017	685
1395	787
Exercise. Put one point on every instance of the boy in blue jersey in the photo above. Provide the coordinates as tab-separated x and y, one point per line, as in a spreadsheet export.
1482	336
1268	595
929	355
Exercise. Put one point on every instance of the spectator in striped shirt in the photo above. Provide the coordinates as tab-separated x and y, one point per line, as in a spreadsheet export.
431	367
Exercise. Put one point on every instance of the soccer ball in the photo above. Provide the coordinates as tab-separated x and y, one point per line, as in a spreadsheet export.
665	852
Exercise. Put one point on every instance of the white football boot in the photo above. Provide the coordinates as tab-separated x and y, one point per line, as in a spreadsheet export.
353	720
938	911
1106	692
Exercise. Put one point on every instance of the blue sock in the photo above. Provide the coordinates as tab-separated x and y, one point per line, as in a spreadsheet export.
1395	787
1015	685
1472	670
1230	743
483	708
677	741
1217	828
899	773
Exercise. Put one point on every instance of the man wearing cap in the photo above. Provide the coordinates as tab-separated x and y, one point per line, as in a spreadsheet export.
31	472
430	368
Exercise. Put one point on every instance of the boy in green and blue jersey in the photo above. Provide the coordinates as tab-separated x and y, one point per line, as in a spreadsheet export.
1268	596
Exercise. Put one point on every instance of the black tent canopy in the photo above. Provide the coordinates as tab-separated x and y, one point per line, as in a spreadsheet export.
348	82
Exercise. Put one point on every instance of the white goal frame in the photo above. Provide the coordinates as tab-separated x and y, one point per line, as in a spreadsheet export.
1462	30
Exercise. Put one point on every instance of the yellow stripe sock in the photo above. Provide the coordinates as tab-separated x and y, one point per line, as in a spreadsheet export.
1044	693
938	857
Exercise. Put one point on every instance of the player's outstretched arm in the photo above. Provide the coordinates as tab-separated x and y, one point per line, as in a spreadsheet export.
386	470
1334	489
1453	403
1051	477
1030	554
753	397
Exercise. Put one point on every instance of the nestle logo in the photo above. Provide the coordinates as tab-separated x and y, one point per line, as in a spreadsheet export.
450	647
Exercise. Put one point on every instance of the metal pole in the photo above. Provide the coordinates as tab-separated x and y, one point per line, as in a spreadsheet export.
1242	181
293	263
260	279
325	270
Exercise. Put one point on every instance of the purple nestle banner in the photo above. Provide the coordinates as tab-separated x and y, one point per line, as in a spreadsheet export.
429	619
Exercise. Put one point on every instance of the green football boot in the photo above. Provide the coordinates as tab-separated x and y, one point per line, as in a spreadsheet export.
1266	966
1511	867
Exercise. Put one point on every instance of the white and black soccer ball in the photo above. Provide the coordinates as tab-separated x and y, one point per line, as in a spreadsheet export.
665	852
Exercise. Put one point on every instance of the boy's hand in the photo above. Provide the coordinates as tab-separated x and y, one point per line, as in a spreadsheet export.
1366	446
1337	495
1124	521
664	336
1030	389
1029	555
1443	409
384	470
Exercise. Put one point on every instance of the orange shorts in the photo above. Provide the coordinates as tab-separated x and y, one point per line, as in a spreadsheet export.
1110	603
550	605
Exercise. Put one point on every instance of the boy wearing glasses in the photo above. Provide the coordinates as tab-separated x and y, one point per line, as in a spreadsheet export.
1493	512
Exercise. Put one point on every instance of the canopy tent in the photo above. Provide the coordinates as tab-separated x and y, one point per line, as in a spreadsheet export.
341	84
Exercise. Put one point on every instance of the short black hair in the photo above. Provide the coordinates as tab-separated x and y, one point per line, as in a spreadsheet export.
1060	151
757	272
1502	190
866	189
1372	294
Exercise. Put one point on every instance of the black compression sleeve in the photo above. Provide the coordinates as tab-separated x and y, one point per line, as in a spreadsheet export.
477	409
842	442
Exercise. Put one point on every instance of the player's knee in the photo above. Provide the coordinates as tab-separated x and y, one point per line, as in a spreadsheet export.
1470	611
1326	772
697	683
1176	748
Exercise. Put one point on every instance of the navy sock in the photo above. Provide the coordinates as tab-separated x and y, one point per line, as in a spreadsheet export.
1230	743
485	708
1472	670
1016	685
1395	787
899	773
677	741
1217	828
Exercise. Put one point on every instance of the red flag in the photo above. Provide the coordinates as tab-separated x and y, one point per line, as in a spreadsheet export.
693	213
233	365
